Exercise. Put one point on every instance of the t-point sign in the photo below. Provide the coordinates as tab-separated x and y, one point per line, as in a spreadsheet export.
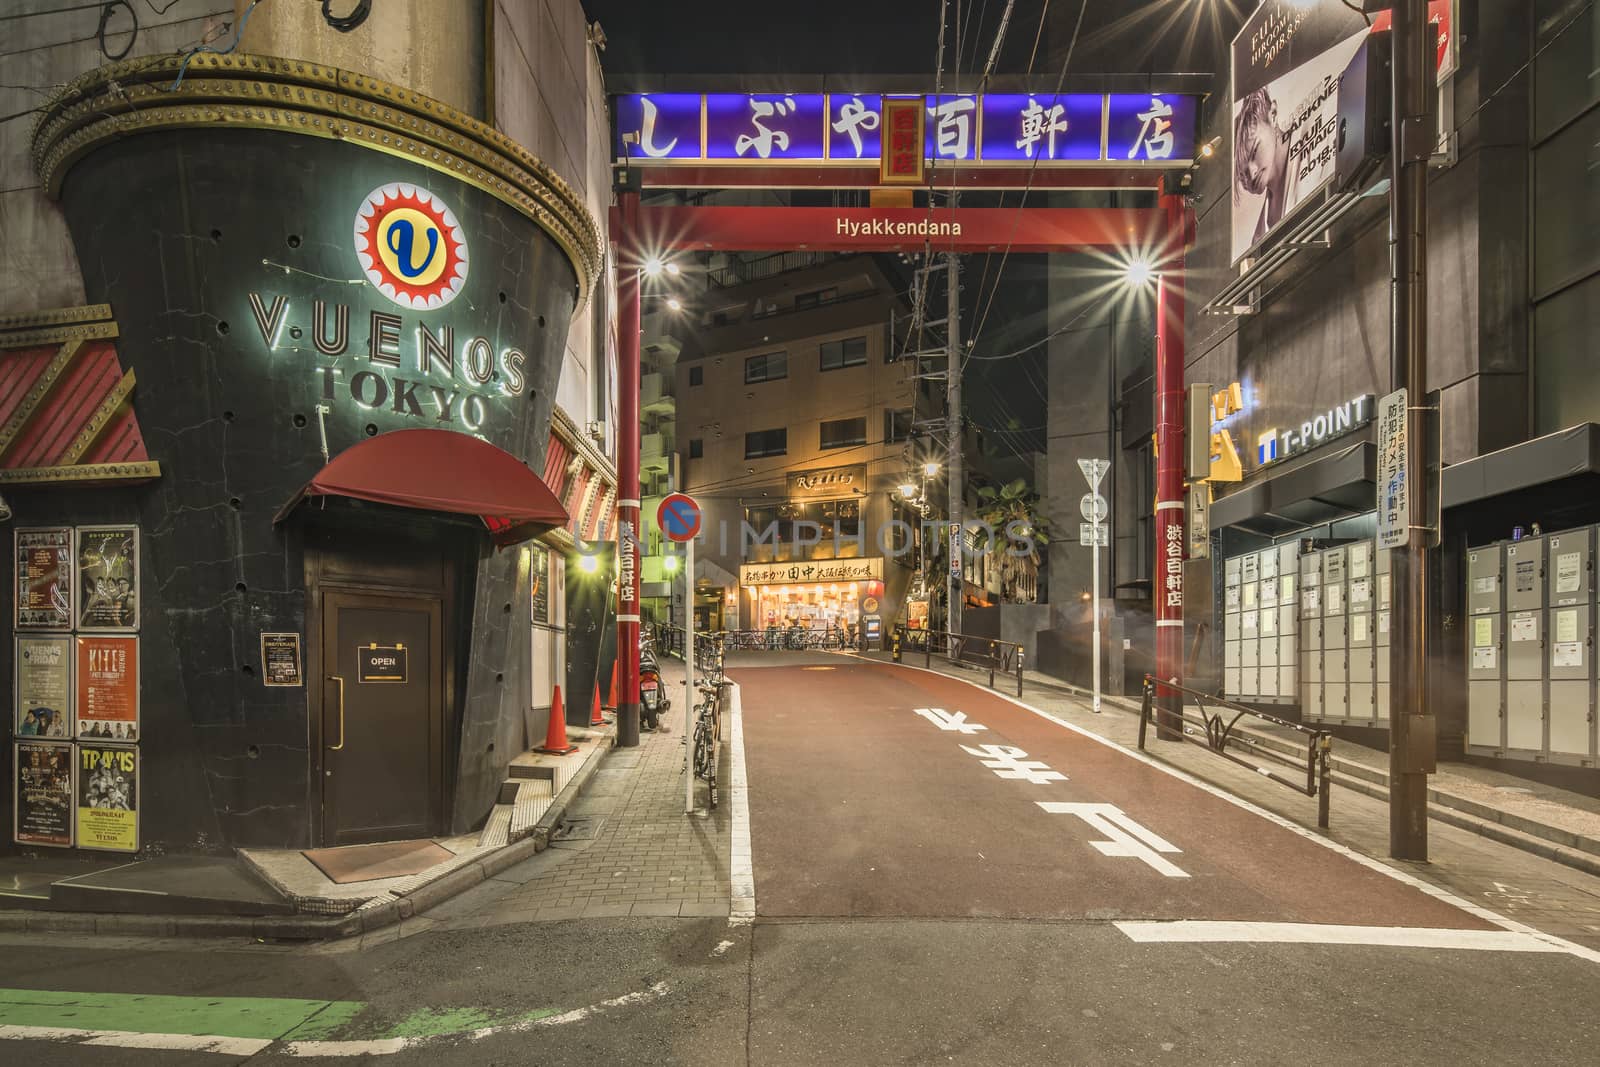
679	517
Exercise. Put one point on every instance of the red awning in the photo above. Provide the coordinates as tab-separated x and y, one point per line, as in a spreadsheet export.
437	470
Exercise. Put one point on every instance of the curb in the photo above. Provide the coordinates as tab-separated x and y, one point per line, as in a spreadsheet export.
306	928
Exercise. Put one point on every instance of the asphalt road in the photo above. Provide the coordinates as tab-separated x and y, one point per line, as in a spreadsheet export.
913	907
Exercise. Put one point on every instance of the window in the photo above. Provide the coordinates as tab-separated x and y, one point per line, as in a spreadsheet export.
767	368
697	375
896	425
697	447
851	352
842	433
815	297
766	443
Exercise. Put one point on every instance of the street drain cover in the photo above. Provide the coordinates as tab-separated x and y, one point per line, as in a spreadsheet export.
580	828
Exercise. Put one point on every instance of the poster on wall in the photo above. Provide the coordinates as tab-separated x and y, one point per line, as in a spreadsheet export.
43	780
539	577
108	688
44	687
108	577
44	578
108	797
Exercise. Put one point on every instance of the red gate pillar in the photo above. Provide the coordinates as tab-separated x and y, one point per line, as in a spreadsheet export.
1170	548
628	531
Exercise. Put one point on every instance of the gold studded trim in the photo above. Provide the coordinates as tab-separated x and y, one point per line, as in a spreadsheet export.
293	96
82	474
28	320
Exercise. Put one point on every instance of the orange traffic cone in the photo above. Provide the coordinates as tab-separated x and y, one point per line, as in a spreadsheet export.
595	718
555	738
611	699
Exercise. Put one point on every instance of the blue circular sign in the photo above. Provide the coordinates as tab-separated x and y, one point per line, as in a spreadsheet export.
679	517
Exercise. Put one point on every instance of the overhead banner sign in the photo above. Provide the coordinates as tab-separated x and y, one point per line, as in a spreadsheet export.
1017	129
869	569
1287	60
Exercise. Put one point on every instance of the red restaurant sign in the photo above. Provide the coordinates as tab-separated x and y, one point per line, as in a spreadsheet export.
902	160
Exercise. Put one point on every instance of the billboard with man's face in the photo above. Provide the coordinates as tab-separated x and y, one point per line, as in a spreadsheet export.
1287	60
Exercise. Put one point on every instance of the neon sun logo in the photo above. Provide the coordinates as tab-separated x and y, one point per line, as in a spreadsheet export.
411	246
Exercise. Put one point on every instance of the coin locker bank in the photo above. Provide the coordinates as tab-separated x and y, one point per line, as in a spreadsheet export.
1530	649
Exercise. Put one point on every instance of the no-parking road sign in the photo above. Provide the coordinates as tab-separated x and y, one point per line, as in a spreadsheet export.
679	517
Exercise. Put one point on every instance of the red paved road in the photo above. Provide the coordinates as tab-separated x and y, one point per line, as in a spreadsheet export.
861	807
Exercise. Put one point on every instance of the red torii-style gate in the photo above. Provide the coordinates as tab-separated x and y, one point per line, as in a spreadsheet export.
1160	236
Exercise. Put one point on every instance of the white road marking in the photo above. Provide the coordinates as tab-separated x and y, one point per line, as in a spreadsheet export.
1128	838
722	948
742	874
1008	761
1569	947
1195	931
950	721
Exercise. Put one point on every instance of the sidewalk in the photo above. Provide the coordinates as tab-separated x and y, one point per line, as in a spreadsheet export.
627	847
1516	879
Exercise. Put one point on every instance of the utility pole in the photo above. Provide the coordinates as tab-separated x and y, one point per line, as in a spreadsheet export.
953	427
1411	727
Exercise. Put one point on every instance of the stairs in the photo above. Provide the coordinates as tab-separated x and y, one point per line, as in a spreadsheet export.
532	782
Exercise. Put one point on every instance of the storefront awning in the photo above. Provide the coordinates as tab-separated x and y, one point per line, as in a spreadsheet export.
437	470
1335	486
1563	454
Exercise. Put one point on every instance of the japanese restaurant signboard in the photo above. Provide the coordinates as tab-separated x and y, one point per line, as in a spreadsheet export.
1064	129
812	570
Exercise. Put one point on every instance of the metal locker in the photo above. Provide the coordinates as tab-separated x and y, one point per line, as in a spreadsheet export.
1359	627
1334	633
1247	596
1524	717
1571	668
1311	601
1335	701
1525	646
1230	598
1359	559
1524	668
1266	592
1569	564
1359	708
1249	568
1333	566
1288	601
1249	651
1268	654
1380	702
1269	564
1484	584
1333	600
1230	626
1267	681
1230	682
1230	654
1311	568
1267	625
1247	683
1249	625
1485	721
1311	651
1360	594
1288	651
1383	581
1525	575
1314	705
1230	571
1287	681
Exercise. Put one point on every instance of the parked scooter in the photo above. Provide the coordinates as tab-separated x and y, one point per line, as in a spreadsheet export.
653	698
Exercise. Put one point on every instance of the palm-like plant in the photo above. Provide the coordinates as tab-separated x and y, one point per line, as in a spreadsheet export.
1015	503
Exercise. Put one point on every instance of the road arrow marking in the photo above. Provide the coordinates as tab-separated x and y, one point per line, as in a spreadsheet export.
1128	838
950	721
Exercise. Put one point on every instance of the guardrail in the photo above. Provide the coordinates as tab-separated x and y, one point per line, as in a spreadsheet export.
1002	656
1217	728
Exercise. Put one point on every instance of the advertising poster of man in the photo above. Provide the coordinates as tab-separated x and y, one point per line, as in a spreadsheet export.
44	786
108	798
1286	65
108	688
108	577
44	578
44	687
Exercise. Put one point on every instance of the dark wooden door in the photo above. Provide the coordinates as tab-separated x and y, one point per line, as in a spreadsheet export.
382	716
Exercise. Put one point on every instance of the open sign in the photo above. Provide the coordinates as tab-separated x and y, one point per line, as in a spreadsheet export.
381	663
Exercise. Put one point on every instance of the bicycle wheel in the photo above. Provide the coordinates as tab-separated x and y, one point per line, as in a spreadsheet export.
711	781
702	747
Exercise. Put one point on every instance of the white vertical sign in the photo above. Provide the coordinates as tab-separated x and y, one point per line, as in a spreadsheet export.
1095	509
1394	483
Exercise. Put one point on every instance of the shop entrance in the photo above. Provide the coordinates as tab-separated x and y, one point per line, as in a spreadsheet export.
380	675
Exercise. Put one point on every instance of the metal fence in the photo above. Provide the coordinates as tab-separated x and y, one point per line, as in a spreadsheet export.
1214	718
975	650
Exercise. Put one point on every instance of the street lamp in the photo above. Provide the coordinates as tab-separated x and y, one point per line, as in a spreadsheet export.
1139	273
930	469
653	267
670	563
908	490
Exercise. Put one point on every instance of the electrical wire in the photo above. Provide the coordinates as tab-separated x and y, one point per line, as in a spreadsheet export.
105	17
189	56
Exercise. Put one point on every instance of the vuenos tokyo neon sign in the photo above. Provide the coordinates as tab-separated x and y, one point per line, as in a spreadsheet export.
411	249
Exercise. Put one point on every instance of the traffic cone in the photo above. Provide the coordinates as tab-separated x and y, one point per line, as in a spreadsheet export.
595	718
555	738
611	701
